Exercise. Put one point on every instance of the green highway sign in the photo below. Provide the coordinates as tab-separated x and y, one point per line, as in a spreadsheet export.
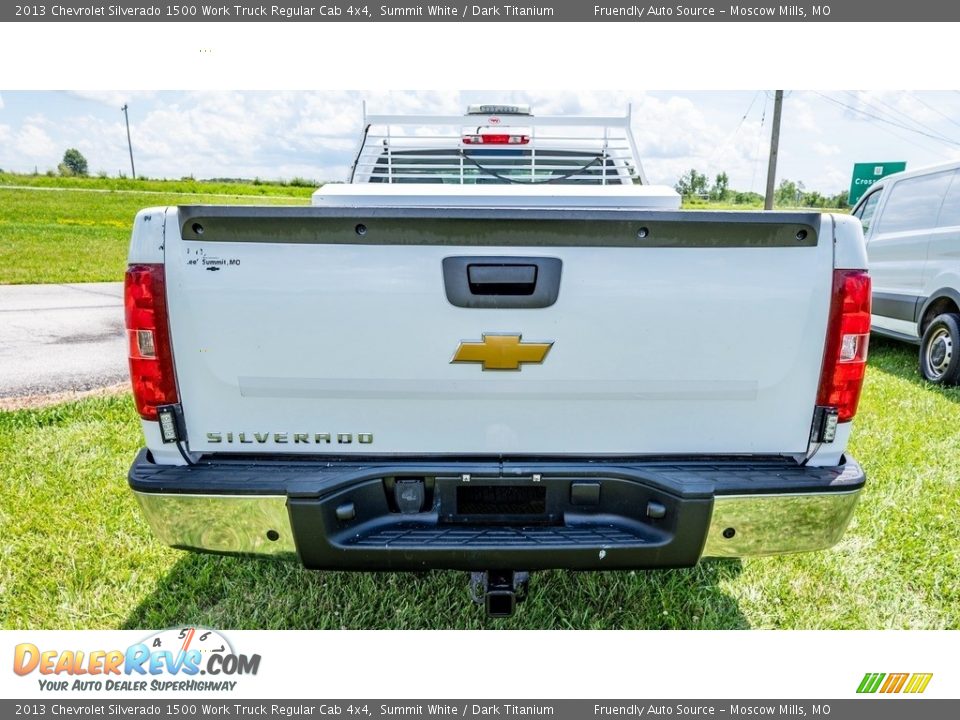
866	174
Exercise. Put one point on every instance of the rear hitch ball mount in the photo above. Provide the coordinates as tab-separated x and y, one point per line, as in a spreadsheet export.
499	591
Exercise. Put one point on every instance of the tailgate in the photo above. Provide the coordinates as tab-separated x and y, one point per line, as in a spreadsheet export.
330	330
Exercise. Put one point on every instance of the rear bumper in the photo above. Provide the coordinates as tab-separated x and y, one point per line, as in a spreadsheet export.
571	514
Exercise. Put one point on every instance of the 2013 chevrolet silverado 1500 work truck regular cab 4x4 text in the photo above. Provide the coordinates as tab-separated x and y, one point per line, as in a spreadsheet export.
497	349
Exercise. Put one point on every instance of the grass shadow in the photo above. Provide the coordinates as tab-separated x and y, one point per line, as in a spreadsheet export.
900	359
240	593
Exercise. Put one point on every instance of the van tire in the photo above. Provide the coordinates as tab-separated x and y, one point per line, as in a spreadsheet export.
940	350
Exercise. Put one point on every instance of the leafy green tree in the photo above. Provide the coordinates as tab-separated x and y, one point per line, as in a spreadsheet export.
788	193
721	188
74	163
747	198
692	184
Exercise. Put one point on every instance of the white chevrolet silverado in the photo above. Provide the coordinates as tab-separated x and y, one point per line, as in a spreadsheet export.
497	349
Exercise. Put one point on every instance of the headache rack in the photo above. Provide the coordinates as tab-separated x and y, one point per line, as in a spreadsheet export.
497	148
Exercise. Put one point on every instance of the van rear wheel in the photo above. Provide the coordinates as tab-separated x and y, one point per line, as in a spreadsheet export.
940	350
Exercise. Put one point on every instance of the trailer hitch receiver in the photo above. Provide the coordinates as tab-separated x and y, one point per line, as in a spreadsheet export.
499	591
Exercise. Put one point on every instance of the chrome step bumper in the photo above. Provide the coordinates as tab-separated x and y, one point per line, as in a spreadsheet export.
339	515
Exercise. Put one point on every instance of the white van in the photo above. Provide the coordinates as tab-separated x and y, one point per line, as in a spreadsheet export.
911	222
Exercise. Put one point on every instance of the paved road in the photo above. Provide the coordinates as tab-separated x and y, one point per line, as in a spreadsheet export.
61	337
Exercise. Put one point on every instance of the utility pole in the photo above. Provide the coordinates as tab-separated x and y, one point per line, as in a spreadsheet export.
133	170
774	148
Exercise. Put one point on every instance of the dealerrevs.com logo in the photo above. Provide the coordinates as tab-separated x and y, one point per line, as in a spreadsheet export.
172	659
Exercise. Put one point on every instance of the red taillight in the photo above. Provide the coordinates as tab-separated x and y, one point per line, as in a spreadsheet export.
148	334
848	335
496	139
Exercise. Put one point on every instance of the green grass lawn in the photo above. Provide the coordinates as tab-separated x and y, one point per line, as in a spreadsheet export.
76	552
78	229
297	188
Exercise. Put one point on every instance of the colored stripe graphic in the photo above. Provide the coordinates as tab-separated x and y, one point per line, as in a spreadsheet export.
918	682
894	683
870	682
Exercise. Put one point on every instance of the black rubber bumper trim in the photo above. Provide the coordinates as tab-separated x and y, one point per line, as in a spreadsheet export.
646	515
315	477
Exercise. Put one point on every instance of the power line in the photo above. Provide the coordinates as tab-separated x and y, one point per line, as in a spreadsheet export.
887	115
749	108
723	145
904	138
885	120
899	136
912	119
756	161
931	107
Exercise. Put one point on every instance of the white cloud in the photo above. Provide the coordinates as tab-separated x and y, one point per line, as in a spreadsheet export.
835	177
800	114
1	101
34	142
678	134
114	98
825	149
38	119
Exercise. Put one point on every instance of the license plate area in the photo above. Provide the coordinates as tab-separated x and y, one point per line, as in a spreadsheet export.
501	502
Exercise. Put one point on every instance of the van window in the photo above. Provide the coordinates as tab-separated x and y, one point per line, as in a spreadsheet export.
866	210
915	203
950	212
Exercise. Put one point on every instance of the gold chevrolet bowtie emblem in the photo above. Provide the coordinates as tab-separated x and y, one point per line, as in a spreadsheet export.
501	352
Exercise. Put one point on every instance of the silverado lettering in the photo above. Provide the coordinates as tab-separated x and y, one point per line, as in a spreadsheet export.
286	437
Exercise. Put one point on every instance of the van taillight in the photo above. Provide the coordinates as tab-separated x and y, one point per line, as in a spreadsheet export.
848	335
148	333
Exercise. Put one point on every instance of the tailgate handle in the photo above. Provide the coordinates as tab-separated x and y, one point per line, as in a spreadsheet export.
489	281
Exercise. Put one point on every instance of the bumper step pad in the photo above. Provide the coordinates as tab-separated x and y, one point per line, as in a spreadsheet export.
498	537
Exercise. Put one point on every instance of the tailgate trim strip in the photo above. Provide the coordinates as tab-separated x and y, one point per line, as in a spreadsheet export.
491	227
318	475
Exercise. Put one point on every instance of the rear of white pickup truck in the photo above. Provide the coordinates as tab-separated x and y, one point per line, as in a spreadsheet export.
415	377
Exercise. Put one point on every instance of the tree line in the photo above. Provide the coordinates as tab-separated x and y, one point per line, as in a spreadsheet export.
694	184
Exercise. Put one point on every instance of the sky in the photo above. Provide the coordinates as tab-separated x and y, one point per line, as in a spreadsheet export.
282	135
